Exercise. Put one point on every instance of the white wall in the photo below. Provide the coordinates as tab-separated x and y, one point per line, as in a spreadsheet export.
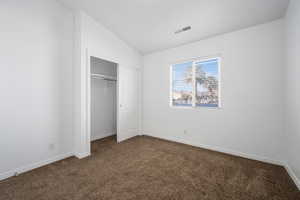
35	84
250	122
94	39
292	94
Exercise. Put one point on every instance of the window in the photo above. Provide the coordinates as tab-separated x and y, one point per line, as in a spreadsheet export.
182	84
196	83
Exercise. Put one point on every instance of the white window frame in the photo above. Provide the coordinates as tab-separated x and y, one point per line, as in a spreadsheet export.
194	60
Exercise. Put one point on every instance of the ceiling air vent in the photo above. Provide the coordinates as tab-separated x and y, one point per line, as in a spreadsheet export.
183	29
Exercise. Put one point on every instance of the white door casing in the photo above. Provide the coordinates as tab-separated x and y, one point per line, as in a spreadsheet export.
128	105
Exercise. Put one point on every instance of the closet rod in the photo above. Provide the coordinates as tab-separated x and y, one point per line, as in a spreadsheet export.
104	77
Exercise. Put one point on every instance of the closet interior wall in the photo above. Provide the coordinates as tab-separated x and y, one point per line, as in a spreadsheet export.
103	99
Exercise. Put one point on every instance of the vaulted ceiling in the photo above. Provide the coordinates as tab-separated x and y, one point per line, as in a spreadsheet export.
149	25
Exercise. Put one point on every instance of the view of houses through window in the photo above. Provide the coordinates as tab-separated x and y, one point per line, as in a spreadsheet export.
196	83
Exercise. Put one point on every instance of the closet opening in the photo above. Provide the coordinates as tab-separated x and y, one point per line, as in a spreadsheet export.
103	101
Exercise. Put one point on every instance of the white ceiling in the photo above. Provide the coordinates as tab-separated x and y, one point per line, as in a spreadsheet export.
149	25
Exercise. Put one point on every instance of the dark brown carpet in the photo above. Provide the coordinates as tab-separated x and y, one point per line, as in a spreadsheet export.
149	168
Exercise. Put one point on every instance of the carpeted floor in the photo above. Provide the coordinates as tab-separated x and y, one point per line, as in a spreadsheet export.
148	168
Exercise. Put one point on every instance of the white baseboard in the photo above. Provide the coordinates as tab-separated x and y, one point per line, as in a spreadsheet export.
140	132
32	166
292	175
219	149
82	155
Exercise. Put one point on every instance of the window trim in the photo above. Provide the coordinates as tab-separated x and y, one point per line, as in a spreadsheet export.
194	60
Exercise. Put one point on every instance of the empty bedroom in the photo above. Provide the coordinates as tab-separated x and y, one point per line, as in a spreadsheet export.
149	100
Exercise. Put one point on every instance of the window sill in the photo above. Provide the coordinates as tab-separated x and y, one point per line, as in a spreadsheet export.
195	108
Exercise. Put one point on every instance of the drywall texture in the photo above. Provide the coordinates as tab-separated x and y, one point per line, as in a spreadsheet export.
35	83
292	94
251	118
103	100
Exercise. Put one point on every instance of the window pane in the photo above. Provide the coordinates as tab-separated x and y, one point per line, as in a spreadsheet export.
207	83
182	84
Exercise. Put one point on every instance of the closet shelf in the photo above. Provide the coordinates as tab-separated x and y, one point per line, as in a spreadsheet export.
104	77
